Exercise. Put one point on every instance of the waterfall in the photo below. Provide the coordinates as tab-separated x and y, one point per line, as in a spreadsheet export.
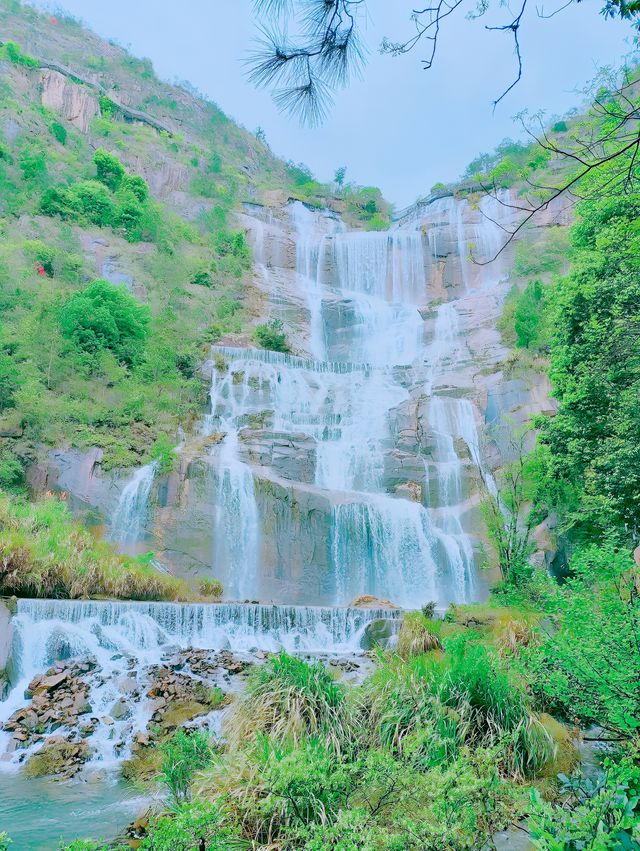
325	432
236	522
385	546
132	511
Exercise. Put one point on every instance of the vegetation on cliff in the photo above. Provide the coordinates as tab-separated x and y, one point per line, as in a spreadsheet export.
45	553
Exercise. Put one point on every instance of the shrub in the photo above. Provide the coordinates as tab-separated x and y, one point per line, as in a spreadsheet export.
290	699
110	170
596	813
136	185
14	54
197	825
11	470
464	698
211	588
417	635
45	553
104	316
270	335
59	132
182	757
33	163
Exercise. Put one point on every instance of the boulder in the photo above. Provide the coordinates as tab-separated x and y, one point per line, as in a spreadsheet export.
367	601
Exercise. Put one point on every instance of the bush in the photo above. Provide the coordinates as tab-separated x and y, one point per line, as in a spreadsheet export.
211	588
270	335
59	132
466	698
92	201
104	316
196	825
14	54
600	813
110	170
45	553
290	699
417	635
11	470
182	757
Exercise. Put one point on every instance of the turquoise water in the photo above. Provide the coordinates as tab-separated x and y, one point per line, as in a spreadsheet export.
39	814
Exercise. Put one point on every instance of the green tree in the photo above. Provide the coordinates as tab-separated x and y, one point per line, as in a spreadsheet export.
271	335
593	441
106	317
110	170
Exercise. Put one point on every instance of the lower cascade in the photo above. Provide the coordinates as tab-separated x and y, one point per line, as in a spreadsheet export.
107	658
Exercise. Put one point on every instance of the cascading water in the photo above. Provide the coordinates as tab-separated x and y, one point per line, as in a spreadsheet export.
132	511
371	379
126	640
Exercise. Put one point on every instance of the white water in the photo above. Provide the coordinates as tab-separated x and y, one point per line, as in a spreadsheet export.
365	293
132	511
114	633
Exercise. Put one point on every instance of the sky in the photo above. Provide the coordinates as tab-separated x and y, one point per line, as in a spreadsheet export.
398	127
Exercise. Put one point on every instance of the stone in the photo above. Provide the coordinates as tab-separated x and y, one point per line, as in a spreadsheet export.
120	710
379	633
75	102
636	556
53	682
366	601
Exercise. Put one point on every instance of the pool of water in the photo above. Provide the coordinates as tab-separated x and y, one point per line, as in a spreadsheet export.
39	814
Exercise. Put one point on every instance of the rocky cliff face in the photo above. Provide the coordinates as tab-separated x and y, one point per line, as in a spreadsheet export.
358	465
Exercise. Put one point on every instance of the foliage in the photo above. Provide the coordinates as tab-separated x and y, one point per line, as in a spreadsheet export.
110	170
597	814
11	470
106	317
586	666
508	517
466	698
271	335
45	553
523	318
290	699
418	634
592	444
211	588
193	825
59	132
15	54
182	757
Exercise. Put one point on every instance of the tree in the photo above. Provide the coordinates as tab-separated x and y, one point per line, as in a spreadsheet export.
106	317
109	169
339	176
302	72
508	518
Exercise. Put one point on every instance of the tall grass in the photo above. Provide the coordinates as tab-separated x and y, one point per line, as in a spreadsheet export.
290	700
45	553
418	634
465	697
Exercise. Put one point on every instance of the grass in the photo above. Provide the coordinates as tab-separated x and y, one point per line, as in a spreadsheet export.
418	635
290	699
465	697
45	553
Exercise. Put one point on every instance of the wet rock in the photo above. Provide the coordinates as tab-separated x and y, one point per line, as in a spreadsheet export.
379	633
120	710
58	757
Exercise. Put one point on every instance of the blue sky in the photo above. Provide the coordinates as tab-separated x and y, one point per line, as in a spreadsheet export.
399	127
